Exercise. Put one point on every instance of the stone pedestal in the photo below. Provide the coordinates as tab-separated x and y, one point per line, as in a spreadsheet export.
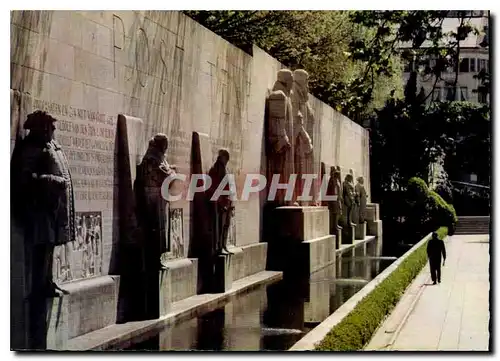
248	260
90	305
348	234
372	212
374	228
360	232
338	239
223	275
302	242
373	222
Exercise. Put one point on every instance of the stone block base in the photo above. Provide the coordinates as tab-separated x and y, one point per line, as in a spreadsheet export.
348	234
372	212
90	305
374	228
316	254
223	275
360	232
248	260
338	239
300	234
183	275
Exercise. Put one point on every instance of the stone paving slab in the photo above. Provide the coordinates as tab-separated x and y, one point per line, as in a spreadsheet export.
451	316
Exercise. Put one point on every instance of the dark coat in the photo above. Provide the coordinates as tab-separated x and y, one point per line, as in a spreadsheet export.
42	192
436	248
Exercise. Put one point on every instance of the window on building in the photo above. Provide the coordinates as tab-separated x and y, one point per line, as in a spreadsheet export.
464	65
472	63
449	93
482	64
463	93
482	98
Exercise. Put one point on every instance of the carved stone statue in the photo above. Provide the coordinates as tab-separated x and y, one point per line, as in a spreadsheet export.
361	199
151	206
335	207
348	199
221	208
280	154
43	202
303	126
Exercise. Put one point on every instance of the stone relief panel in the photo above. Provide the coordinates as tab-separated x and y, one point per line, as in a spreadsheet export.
81	258
231	238
176	233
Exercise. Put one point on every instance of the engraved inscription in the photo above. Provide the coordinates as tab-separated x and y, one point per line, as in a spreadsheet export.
142	57
118	41
88	139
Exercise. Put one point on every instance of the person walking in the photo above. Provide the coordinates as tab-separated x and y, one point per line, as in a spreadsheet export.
436	248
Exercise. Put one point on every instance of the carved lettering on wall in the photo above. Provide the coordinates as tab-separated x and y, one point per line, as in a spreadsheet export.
118	41
88	140
142	57
163	57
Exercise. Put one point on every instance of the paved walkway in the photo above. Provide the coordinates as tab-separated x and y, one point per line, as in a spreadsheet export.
451	316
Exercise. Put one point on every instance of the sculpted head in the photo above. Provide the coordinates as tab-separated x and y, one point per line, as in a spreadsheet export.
159	142
301	77
360	180
285	77
41	125
223	156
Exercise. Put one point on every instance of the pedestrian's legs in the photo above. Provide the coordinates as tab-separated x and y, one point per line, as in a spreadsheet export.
438	271
433	271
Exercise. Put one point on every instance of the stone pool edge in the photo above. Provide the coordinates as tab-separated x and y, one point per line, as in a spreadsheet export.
120	336
316	335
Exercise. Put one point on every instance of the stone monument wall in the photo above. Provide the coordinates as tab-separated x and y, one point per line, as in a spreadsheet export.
86	67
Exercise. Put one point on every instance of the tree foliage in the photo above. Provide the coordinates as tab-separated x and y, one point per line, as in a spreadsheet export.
318	41
353	57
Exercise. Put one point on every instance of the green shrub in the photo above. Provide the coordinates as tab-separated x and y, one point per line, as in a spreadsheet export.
444	190
356	329
427	210
417	190
441	213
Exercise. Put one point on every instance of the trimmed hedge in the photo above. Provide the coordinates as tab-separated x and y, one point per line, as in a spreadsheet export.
356	329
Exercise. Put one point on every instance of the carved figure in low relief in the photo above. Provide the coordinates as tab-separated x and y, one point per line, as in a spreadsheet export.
44	203
335	207
361	199
303	126
348	198
280	131
152	208
97	244
62	264
221	207
232	229
176	233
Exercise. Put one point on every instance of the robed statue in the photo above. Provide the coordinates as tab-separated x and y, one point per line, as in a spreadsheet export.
221	206
280	152
152	208
42	200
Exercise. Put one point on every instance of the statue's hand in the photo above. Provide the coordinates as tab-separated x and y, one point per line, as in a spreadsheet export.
53	179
